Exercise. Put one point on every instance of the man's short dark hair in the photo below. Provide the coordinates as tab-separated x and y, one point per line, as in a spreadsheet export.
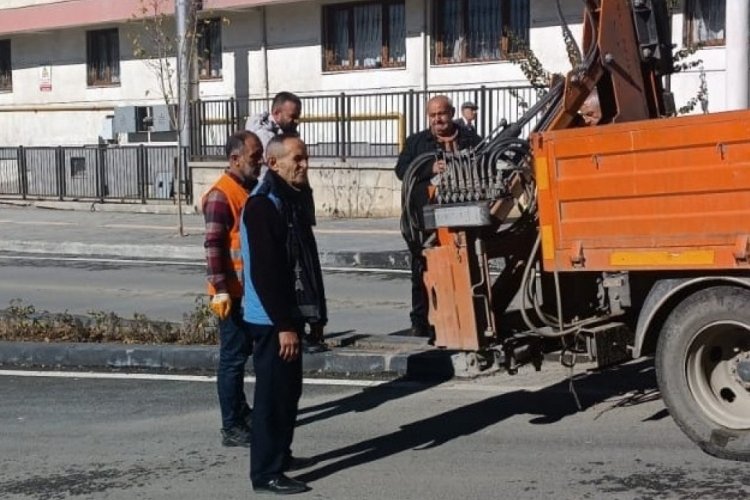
283	97
236	142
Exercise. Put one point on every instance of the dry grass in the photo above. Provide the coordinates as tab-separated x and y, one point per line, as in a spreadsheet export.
22	322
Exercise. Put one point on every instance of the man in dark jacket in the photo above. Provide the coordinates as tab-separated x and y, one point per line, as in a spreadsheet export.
442	135
287	156
283	287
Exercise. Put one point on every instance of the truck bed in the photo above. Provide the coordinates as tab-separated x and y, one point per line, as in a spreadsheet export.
649	195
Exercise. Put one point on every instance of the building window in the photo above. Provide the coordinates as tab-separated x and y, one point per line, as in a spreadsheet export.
209	48
705	22
478	30
364	35
103	57
6	72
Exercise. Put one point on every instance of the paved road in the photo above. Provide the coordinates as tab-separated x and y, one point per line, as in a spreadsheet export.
372	303
498	437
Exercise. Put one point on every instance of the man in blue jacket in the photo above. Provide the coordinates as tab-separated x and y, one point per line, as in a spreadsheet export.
272	313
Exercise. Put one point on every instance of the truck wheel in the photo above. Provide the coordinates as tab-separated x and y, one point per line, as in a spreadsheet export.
703	369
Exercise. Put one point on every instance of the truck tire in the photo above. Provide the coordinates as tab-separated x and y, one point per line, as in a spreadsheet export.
703	369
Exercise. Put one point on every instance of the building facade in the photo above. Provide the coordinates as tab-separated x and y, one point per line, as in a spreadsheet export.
66	66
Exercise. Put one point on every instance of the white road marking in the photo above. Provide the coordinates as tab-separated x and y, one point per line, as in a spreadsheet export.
190	229
195	229
103	260
177	378
356	231
185	263
38	223
481	385
365	270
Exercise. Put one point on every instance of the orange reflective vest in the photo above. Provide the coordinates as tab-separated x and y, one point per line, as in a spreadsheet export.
236	196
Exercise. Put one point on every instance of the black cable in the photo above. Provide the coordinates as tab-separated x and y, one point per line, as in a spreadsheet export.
410	229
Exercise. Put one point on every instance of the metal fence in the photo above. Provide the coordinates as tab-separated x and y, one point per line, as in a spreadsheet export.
119	173
355	125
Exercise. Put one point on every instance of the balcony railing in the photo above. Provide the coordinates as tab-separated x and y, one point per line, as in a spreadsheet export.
355	125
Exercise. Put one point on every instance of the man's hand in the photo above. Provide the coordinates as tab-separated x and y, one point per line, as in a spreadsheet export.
221	305
438	167
289	342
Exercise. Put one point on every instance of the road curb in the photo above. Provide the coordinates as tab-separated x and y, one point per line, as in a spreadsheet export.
72	248
385	259
415	363
152	207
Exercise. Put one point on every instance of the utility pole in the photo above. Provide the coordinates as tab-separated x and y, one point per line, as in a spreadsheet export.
183	9
738	50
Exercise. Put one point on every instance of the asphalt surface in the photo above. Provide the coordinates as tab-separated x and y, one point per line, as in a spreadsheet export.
358	243
361	302
498	437
368	315
127	263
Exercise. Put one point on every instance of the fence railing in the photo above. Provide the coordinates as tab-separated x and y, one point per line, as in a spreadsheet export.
119	173
355	125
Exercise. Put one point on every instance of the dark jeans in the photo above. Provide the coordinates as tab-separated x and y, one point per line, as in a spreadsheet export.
278	387
235	347
418	292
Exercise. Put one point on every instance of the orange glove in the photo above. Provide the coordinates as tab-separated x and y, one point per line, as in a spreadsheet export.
221	305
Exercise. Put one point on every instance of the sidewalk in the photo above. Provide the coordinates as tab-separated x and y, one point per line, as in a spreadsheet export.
346	243
352	243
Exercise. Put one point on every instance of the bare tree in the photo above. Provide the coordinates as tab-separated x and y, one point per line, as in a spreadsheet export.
154	41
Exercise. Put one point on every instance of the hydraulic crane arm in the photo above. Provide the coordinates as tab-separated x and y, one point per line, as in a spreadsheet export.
627	49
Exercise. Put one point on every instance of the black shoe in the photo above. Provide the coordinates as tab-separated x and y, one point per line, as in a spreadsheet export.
235	436
282	485
419	331
297	463
310	346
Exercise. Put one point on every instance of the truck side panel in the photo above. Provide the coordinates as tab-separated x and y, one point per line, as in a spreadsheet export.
649	195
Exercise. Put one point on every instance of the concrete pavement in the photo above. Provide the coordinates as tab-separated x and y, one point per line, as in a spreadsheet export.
343	243
348	243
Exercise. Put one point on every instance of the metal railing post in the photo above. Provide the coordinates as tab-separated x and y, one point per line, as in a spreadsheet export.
60	171
229	122
482	102
100	181
194	124
186	178
227	113
339	126
23	175
140	173
490	107
204	127
410	112
348	111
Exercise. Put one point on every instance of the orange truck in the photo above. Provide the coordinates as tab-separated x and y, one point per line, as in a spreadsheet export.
631	237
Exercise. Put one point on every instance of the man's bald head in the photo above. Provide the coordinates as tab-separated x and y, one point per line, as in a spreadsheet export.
277	146
591	110
440	113
440	100
287	156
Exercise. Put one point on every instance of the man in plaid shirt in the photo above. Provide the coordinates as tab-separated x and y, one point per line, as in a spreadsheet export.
222	208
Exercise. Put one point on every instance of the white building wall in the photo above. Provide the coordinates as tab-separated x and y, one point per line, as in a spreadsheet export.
685	84
13	4
72	113
294	36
